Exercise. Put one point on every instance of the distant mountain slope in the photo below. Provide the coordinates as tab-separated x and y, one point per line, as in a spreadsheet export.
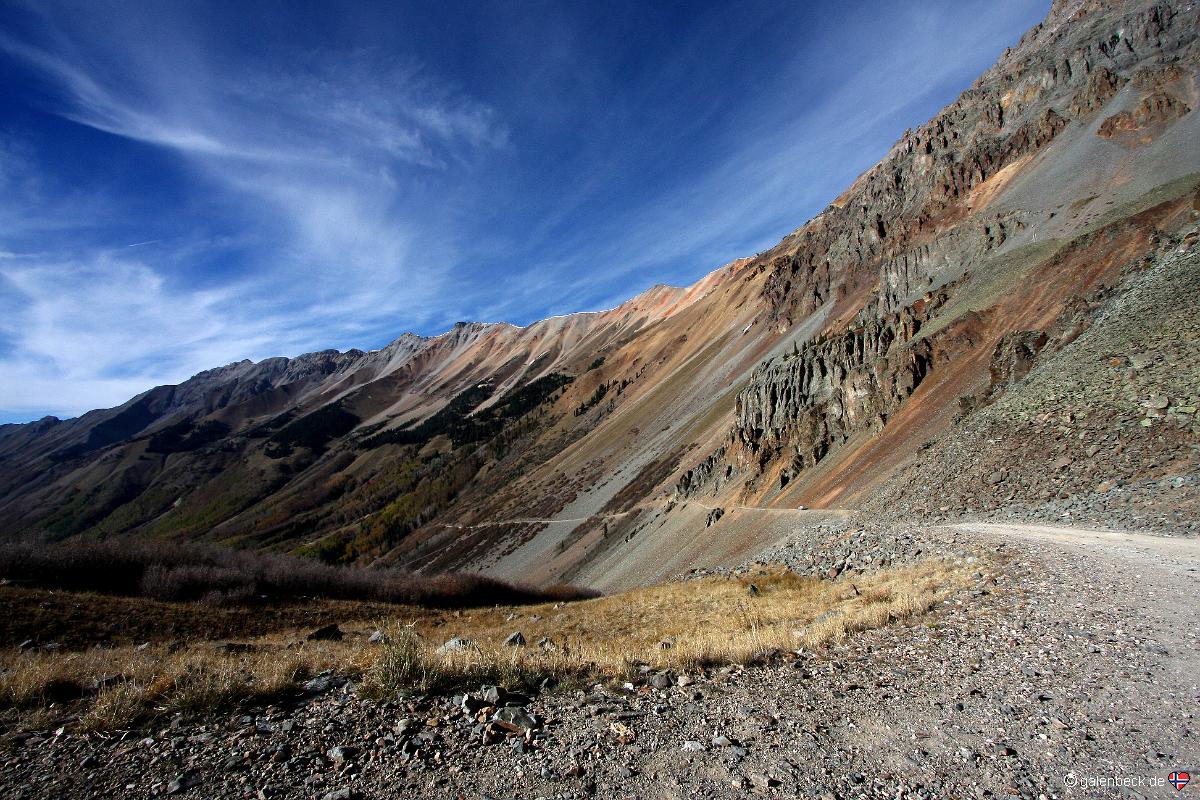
677	429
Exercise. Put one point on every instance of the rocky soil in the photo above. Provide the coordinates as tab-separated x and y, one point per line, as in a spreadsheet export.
1068	667
1104	431
1072	657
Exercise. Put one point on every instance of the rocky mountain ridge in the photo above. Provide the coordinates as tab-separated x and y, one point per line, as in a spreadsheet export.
933	209
621	446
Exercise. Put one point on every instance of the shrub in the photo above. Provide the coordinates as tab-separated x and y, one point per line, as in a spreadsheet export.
171	571
401	664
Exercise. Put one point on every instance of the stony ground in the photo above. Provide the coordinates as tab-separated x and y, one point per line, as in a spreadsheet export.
1105	432
1074	657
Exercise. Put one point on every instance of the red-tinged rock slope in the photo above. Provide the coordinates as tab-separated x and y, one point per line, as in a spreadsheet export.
687	427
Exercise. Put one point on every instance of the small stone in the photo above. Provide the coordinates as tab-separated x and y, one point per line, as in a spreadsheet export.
456	644
762	782
514	718
183	782
378	637
1140	360
662	680
1158	402
342	754
721	741
515	639
319	684
329	633
692	746
471	705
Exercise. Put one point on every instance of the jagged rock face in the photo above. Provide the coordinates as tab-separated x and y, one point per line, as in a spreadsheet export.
945	258
1158	109
1013	357
805	404
919	220
1068	65
1100	87
707	474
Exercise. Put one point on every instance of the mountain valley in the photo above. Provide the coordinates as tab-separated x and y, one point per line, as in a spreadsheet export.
985	352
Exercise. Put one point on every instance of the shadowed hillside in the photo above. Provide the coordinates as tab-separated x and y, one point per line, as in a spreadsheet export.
616	447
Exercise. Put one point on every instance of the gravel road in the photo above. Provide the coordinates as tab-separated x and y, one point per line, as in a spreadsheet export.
1070	663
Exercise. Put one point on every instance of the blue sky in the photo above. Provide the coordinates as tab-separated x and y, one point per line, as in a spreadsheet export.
187	184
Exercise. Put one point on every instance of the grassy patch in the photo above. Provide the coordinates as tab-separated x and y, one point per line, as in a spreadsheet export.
683	626
116	688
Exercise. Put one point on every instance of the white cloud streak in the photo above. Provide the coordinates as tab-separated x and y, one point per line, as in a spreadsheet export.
352	177
321	162
784	158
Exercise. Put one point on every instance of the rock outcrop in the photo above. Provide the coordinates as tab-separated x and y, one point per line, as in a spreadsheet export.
1014	356
1160	108
801	406
919	220
708	474
1071	63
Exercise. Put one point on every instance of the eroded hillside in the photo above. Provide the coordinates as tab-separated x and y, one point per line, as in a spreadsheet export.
870	360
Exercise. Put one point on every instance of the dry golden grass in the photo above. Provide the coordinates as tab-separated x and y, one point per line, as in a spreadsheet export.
681	626
121	686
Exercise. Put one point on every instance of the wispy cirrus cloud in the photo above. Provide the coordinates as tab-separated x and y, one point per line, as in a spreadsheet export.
101	327
786	151
189	185
326	167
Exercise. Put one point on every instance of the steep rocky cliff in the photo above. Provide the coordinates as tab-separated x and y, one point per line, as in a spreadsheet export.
889	221
620	446
928	221
799	406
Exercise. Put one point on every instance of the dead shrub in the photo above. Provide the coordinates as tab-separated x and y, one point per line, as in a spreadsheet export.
708	622
178	572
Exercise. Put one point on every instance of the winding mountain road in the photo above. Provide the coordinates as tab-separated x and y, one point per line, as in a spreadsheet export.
1161	550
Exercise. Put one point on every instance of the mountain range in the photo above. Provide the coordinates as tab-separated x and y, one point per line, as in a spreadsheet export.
1026	256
